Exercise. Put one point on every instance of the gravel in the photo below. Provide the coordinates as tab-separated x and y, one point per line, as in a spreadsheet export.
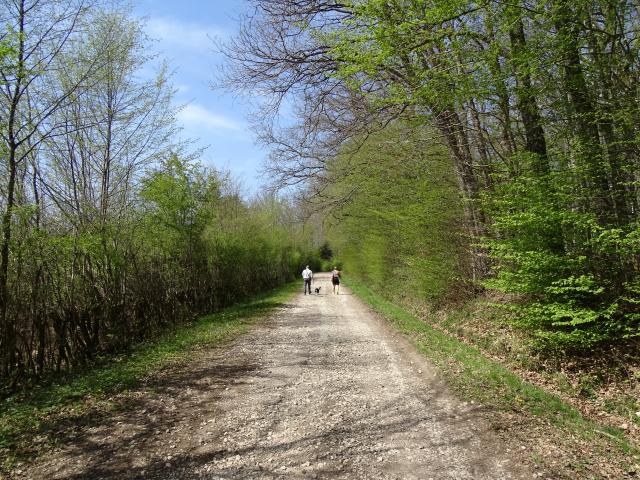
322	389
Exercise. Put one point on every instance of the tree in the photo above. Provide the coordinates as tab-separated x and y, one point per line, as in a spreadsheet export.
39	30
536	104
114	128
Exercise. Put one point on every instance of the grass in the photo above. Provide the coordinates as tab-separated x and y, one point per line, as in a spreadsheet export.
36	413
475	377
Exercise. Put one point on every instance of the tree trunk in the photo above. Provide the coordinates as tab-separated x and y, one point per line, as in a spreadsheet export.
448	122
481	145
535	142
8	339
583	115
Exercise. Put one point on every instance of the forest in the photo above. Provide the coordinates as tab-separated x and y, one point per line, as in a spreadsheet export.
441	149
456	147
471	167
112	230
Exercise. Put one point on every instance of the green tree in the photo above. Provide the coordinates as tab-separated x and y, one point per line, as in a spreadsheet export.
536	105
400	228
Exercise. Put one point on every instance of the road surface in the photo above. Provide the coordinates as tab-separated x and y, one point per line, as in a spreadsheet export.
323	389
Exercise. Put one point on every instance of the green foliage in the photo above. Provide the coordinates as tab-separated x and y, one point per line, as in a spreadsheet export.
325	252
328	265
8	53
577	292
399	230
181	197
192	245
414	48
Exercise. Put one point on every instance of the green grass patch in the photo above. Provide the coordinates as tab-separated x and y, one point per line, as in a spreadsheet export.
37	412
475	377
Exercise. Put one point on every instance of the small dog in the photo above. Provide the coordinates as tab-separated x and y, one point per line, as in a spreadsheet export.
318	290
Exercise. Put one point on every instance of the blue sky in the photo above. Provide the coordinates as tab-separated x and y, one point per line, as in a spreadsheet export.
183	30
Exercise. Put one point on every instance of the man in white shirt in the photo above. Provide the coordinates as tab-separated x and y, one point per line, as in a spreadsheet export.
307	274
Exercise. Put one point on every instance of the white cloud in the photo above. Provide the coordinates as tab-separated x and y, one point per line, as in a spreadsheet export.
197	117
183	34
182	88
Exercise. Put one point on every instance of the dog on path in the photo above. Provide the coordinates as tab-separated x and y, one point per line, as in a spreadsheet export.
318	290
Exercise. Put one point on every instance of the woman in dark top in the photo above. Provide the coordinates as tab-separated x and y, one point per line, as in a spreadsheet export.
335	279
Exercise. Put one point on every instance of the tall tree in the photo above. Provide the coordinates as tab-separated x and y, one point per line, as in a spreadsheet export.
528	100
40	29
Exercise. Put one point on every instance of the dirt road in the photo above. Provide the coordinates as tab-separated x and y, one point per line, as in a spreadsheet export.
322	390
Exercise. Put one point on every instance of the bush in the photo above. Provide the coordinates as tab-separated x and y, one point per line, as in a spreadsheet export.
575	276
189	247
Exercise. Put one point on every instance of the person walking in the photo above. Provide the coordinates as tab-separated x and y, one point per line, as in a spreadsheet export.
335	279
307	275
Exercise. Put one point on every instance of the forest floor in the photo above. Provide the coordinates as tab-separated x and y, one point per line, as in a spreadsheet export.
324	388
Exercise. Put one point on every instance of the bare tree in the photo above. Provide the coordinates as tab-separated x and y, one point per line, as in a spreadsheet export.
40	29
116	126
278	54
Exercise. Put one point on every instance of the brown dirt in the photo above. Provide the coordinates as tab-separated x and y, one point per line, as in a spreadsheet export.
323	389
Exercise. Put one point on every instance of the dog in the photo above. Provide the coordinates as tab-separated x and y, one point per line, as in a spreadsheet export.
318	290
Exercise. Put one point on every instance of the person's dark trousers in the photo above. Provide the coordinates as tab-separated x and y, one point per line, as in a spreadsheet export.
307	282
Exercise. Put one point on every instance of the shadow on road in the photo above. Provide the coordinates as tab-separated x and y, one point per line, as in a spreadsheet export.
157	431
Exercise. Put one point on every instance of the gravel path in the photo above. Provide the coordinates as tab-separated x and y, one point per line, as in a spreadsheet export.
322	390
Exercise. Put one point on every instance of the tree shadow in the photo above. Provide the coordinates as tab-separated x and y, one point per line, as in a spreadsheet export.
147	417
131	441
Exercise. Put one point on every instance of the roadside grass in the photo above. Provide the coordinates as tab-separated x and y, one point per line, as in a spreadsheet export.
33	415
475	377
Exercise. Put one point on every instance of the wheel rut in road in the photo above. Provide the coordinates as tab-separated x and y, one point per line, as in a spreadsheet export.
323	389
